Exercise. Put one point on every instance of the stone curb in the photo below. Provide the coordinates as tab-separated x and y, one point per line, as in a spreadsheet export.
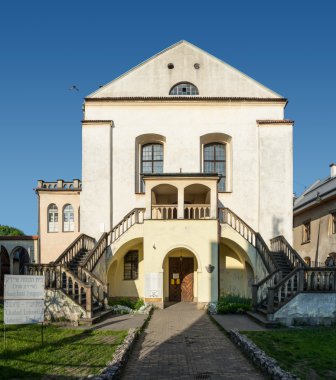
268	365
120	357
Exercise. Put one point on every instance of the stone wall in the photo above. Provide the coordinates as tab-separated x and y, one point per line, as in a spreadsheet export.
308	308
59	306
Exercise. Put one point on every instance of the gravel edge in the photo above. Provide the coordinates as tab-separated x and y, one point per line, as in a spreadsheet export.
121	354
268	365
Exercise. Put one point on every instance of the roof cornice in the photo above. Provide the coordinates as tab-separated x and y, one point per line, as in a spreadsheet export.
186	99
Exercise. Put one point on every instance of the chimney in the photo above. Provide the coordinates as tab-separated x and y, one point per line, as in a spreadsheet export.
332	170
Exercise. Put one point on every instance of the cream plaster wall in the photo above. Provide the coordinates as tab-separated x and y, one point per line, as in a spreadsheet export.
233	240
182	124
96	178
275	181
52	244
213	78
162	239
118	287
236	276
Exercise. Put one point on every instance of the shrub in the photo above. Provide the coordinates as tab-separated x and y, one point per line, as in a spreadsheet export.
124	301
233	304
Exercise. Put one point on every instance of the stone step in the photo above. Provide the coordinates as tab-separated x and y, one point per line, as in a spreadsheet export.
262	320
98	316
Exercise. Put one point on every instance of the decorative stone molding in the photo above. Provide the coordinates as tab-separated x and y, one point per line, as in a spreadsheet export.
267	365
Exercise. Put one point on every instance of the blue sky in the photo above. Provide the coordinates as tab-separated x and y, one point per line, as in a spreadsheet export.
46	46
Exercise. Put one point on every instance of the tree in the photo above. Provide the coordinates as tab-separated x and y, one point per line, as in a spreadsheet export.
10	231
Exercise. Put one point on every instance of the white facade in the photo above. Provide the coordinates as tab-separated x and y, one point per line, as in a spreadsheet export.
136	108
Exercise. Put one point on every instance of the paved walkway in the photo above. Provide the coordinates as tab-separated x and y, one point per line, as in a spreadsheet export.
239	322
182	342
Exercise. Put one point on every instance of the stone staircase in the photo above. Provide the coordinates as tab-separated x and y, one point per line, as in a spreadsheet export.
288	275
72	272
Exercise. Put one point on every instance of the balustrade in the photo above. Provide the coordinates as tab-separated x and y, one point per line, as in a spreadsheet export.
197	211
280	244
164	212
134	217
82	242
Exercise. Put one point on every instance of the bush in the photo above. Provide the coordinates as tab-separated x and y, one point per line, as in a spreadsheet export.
233	304
124	301
10	231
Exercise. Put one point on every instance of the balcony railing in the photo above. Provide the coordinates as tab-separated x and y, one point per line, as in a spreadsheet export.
192	211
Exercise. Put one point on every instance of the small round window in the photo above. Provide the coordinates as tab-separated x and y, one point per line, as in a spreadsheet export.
184	89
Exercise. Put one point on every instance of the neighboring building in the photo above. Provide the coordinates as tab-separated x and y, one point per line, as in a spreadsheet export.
58	216
315	221
15	253
175	139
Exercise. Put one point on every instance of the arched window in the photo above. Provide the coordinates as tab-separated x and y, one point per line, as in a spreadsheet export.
151	160
215	162
68	218
52	218
184	89
131	265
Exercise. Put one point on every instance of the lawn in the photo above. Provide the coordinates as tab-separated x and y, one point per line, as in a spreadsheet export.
309	353
66	353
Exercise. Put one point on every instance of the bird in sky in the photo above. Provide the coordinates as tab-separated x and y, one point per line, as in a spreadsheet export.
73	88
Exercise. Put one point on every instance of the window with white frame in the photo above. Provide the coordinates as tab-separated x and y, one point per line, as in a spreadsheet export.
52	218
214	157
151	160
184	89
68	218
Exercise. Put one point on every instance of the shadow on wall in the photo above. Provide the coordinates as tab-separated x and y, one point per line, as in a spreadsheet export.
277	226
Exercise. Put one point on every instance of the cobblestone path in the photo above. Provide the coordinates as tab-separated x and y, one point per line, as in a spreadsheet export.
182	342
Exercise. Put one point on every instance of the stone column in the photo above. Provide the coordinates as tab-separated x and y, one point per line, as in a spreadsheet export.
180	203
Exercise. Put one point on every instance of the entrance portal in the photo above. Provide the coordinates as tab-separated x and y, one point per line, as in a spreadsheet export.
181	279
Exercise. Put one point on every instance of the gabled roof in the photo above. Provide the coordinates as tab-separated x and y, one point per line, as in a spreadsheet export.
213	78
320	190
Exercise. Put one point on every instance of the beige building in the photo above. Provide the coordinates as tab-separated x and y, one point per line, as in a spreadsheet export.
315	221
187	175
58	216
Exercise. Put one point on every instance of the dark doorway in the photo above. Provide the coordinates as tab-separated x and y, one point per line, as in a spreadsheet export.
4	267
20	258
181	279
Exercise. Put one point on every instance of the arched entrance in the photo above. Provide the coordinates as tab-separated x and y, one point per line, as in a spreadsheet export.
236	274
4	267
180	276
20	257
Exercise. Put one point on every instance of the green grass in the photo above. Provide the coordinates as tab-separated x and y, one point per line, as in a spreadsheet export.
308	353
66	353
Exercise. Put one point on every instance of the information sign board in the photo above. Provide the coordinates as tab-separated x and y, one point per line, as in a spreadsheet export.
24	299
23	312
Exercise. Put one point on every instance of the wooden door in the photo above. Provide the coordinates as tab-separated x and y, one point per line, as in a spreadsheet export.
174	284
181	279
187	283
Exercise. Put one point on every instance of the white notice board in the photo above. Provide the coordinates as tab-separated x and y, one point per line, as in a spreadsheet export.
23	287
23	312
24	299
153	285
